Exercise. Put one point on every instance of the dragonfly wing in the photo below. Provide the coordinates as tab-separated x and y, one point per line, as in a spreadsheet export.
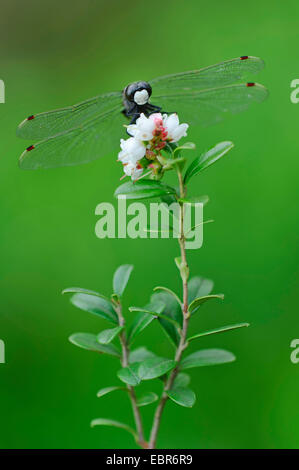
214	76
82	144
211	106
48	124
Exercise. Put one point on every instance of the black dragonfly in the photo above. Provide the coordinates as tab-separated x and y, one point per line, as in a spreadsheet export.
92	129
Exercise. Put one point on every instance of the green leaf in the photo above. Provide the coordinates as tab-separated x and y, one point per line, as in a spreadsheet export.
207	357
94	304
121	278
182	396
140	354
165	289
181	380
171	310
140	322
197	225
106	390
155	314
195	200
129	374
155	367
89	341
106	336
169	163
143	189
116	424
218	330
168	198
201	300
186	146
207	159
199	287
79	290
147	399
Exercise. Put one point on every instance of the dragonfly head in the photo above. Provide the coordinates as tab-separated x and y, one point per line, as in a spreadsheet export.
138	92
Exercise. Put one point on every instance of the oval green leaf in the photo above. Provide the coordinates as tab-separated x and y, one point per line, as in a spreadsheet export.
207	159
154	314
201	300
195	200
106	336
155	367
185	146
80	290
106	390
89	341
140	354
165	289
181	380
147	399
207	357
172	310
218	330
121	278
143	189
129	374
182	396
140	322
116	424
168	199
96	305
199	287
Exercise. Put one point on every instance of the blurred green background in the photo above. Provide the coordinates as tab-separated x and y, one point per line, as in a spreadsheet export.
55	53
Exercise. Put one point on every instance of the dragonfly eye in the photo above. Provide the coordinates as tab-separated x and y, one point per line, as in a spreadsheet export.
138	92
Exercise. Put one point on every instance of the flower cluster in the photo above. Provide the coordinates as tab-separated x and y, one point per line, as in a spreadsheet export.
148	137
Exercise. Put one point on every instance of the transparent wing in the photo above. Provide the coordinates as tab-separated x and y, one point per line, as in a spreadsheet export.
214	76
43	125
94	139
211	106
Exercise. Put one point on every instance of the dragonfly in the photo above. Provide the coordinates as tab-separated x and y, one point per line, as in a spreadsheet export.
91	129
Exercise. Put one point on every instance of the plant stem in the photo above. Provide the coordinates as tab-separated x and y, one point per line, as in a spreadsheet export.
131	391
183	334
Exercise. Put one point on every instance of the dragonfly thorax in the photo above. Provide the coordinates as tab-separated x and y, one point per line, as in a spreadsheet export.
138	93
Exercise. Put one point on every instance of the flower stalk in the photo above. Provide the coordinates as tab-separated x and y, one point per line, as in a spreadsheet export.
125	362
183	333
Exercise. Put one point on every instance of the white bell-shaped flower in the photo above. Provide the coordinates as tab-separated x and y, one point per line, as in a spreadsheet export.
175	130
143	129
132	150
132	170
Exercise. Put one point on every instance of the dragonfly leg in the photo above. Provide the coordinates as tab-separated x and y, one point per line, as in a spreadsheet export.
134	112
133	120
152	108
169	112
